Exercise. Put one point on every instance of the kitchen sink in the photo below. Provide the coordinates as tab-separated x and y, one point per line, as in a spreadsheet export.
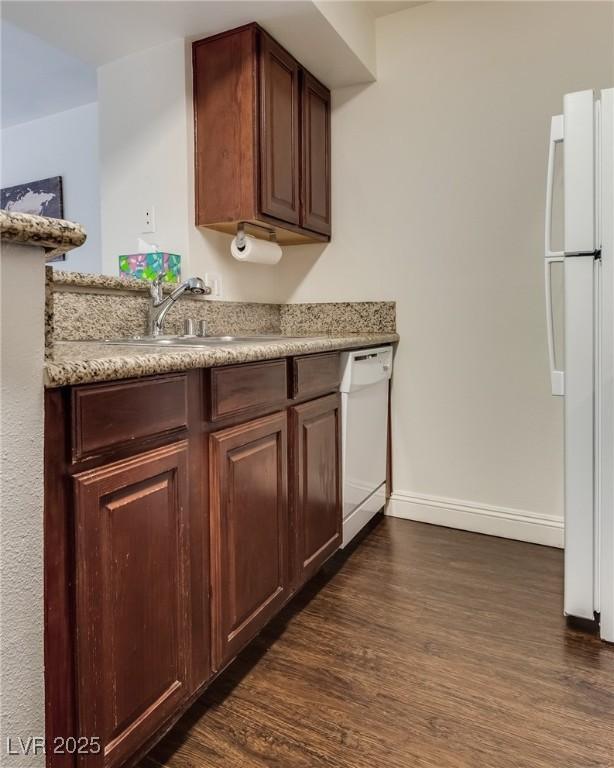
201	341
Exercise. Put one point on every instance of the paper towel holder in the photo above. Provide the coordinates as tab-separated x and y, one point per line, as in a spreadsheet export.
241	234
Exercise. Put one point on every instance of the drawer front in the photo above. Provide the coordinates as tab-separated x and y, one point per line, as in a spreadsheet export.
316	374
240	389
106	416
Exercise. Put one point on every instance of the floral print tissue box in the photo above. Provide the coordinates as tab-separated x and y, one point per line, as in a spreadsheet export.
147	266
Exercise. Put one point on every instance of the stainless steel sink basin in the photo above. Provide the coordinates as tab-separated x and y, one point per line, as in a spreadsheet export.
199	341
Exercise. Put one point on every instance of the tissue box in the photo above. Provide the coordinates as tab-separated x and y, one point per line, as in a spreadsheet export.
147	266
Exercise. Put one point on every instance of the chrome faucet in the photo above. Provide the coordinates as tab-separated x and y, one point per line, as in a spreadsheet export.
159	305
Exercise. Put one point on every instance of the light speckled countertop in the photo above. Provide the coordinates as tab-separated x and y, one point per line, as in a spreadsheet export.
74	362
56	236
106	282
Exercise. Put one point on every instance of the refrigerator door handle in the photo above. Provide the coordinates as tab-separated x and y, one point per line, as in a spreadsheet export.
557	378
557	129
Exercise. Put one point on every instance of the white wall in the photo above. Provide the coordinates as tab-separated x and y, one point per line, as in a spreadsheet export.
354	23
64	144
438	185
146	151
438	177
142	107
22	690
38	79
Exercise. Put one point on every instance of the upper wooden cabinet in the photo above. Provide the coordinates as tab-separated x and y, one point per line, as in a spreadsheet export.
315	192
262	138
279	143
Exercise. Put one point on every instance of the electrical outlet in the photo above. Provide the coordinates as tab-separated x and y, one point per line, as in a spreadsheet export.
149	219
214	281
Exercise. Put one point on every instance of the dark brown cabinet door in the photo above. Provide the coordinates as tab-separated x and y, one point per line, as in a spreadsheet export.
249	531
315	191
253	103
316	478
132	612
279	128
225	126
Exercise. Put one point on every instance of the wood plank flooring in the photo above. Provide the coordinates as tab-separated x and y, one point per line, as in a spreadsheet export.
427	648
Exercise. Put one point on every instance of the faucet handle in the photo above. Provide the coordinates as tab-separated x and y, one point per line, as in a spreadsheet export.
155	289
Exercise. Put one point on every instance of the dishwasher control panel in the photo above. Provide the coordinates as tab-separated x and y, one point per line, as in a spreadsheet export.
363	367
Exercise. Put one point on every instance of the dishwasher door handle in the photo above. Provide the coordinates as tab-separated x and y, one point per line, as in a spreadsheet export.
358	358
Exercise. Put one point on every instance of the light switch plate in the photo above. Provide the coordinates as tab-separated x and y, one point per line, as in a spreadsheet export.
149	219
214	281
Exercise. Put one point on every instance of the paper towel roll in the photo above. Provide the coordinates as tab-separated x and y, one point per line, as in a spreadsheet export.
256	251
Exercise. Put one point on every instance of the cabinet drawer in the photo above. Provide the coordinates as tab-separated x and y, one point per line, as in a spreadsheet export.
239	389
316	374
109	415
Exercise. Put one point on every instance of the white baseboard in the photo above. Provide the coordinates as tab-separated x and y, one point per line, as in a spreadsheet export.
479	518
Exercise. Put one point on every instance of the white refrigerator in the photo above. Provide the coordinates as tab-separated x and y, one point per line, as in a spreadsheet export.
584	133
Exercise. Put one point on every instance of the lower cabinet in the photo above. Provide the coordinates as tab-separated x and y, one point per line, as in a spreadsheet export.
249	531
316	483
170	541
131	600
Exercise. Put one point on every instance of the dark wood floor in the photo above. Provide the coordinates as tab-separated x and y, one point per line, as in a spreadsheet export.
428	648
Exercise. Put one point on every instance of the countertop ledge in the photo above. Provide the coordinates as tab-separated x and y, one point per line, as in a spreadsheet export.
74	362
56	236
60	278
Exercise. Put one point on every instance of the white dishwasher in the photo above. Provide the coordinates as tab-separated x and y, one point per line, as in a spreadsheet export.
365	375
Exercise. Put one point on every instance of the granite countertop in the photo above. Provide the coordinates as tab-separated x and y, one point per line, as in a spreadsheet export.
74	362
56	236
105	282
